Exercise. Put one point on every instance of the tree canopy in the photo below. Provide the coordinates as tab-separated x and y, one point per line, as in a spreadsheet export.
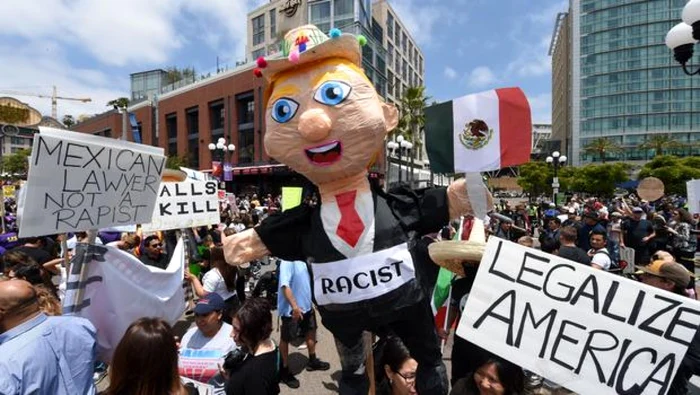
673	171
175	162
16	164
601	147
120	102
660	143
600	180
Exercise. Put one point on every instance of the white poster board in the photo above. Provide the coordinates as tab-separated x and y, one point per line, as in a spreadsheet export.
693	196
184	205
79	182
119	289
590	331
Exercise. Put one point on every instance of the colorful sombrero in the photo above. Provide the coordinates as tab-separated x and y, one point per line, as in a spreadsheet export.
307	44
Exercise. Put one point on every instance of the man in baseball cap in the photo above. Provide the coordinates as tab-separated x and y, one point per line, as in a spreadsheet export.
664	274
211	302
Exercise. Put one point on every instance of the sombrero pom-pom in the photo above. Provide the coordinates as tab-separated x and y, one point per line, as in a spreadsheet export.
258	73
362	40
334	33
294	56
261	62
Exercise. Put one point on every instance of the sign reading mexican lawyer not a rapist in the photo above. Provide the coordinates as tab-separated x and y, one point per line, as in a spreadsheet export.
79	182
184	205
588	330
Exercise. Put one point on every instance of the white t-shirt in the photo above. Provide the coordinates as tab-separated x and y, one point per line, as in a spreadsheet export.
602	259
222	341
213	281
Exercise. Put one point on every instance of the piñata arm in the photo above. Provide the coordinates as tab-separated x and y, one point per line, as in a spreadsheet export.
244	247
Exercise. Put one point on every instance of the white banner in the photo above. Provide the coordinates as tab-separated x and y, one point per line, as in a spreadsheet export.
591	331
693	196
79	182
184	205
118	289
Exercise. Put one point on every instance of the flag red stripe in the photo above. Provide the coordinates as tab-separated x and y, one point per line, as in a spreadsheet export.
516	126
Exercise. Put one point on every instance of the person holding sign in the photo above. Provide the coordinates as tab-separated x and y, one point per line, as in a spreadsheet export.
672	277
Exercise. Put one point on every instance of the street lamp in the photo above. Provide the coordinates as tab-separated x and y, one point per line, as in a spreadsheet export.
391	148
223	151
556	160
404	148
682	37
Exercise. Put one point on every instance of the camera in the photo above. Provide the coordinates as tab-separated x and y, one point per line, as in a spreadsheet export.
234	359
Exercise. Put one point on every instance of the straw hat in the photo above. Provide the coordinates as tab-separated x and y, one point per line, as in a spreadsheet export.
306	44
453	255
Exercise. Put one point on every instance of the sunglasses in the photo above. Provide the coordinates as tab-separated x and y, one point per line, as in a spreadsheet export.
155	245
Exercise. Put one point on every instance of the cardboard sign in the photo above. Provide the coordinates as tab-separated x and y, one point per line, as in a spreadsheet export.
118	289
184	205
693	196
588	330
79	182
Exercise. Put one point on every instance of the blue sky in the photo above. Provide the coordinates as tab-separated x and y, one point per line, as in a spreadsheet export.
88	48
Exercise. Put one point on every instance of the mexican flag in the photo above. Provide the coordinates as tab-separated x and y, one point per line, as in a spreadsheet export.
480	132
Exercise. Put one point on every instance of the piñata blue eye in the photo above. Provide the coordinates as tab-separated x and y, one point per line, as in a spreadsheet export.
284	109
332	93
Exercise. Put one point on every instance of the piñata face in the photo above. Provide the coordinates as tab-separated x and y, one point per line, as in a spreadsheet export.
326	121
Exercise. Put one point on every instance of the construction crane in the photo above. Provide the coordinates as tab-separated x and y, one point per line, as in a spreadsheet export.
54	99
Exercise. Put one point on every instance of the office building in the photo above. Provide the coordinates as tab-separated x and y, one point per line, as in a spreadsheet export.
404	58
613	77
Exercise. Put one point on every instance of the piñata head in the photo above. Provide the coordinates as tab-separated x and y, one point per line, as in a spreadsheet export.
325	120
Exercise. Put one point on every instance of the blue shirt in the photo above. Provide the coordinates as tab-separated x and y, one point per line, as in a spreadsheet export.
48	355
295	276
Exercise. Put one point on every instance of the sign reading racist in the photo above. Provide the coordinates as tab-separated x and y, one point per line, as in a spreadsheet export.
184	205
587	330
79	182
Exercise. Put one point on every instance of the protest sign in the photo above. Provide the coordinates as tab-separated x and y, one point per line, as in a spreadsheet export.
585	329
117	289
202	389
291	197
184	205
693	196
8	191
79	182
200	364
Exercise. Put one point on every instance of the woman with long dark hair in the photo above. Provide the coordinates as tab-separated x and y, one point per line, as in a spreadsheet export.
145	361
220	279
496	376
398	368
258	372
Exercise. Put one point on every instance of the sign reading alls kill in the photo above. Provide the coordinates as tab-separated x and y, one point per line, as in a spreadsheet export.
184	205
585	329
80	181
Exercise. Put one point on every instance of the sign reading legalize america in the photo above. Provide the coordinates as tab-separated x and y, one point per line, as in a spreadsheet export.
480	132
80	182
591	331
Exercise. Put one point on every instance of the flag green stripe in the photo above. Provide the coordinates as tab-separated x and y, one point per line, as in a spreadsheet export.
439	140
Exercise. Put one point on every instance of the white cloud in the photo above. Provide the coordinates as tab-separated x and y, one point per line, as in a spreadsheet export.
481	77
128	31
421	18
541	107
450	73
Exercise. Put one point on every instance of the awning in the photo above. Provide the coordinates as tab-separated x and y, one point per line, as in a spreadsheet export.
262	169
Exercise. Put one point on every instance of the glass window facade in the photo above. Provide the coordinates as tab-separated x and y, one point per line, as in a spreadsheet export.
320	15
273	23
259	29
343	13
390	25
630	85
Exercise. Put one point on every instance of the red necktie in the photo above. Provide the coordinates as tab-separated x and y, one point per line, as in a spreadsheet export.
350	226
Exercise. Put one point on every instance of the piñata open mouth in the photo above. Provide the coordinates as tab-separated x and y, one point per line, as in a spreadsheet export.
324	155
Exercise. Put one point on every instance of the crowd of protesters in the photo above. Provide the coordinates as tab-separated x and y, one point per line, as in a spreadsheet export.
654	242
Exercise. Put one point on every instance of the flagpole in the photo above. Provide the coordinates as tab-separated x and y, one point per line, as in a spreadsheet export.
80	293
447	319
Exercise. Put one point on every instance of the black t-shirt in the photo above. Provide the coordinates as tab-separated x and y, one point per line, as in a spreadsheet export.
574	254
259	375
162	262
635	231
38	254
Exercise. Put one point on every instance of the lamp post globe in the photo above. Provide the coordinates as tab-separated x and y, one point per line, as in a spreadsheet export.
562	159
211	146
549	159
691	12
399	139
231	147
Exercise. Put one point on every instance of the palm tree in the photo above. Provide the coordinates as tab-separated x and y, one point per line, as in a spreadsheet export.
601	147
660	143
412	117
68	121
120	103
